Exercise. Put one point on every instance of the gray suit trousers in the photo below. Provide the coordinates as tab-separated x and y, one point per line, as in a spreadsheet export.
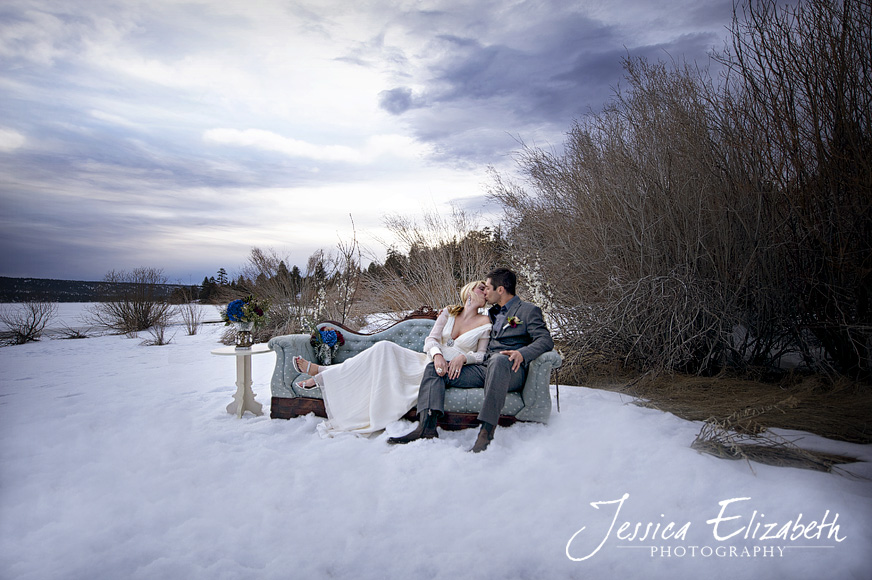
495	375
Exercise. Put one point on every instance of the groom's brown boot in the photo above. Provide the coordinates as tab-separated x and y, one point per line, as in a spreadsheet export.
426	429
485	436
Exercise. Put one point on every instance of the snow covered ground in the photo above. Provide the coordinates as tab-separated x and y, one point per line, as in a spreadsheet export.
120	461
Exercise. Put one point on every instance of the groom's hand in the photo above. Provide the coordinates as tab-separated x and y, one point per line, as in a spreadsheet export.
516	357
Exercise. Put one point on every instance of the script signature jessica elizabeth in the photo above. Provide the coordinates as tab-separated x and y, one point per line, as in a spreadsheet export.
734	520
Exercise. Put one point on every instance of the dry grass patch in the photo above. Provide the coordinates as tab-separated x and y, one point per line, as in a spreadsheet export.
719	438
840	410
738	413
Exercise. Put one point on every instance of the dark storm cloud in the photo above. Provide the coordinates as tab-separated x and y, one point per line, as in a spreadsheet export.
396	101
519	78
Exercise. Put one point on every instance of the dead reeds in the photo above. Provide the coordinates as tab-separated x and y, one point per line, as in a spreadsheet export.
430	261
719	439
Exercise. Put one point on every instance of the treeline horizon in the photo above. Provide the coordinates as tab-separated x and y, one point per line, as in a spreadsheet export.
31	288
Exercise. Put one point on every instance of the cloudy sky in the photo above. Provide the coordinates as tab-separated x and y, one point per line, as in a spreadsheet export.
180	134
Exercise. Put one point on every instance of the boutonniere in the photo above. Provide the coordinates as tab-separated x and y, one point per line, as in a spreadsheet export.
512	321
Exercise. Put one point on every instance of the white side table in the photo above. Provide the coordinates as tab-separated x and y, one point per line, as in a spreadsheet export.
243	400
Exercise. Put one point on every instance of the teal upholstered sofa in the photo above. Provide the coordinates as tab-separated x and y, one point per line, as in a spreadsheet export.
533	403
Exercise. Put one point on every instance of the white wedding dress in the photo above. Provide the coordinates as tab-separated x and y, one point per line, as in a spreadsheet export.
378	386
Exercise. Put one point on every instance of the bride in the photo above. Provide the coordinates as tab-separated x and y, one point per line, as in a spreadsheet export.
379	385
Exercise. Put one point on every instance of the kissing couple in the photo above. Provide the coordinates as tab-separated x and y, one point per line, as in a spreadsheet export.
465	349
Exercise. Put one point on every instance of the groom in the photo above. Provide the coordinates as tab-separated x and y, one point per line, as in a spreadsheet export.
518	336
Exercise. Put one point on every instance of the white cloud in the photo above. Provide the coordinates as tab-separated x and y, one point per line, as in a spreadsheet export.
11	140
376	146
36	37
397	145
113	119
246	62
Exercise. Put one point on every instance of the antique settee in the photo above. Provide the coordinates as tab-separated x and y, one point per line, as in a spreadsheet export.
532	403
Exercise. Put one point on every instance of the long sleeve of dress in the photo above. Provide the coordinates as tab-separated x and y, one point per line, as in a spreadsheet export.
435	336
477	356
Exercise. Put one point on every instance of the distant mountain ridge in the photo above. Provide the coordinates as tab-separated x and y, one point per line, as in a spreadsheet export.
24	289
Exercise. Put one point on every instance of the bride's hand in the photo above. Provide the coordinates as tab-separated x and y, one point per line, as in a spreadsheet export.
454	367
440	364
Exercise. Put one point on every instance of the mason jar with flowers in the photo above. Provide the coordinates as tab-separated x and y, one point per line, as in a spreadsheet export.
245	314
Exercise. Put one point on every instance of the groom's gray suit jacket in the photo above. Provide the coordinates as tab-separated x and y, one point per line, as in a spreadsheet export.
528	335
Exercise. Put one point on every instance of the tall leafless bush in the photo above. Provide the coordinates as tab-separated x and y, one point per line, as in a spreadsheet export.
346	280
799	90
630	227
26	322
691	225
267	277
132	301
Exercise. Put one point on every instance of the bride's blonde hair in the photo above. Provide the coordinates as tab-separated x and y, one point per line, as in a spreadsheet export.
456	309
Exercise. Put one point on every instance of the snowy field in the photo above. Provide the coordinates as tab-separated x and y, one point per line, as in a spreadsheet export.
119	461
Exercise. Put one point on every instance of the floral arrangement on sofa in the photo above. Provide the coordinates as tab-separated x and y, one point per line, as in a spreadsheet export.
325	341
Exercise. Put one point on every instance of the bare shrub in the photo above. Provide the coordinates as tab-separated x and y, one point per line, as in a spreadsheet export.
630	225
800	101
347	275
442	253
328	289
158	333
70	332
691	226
26	322
294	297
132	301
190	312
436	256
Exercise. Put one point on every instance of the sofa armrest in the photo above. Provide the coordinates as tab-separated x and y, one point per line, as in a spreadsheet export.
537	392
286	348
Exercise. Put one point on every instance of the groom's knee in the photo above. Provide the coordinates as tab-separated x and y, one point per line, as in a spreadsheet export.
500	362
500	371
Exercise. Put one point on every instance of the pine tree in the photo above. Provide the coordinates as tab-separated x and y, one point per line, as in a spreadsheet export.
296	280
208	290
282	273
